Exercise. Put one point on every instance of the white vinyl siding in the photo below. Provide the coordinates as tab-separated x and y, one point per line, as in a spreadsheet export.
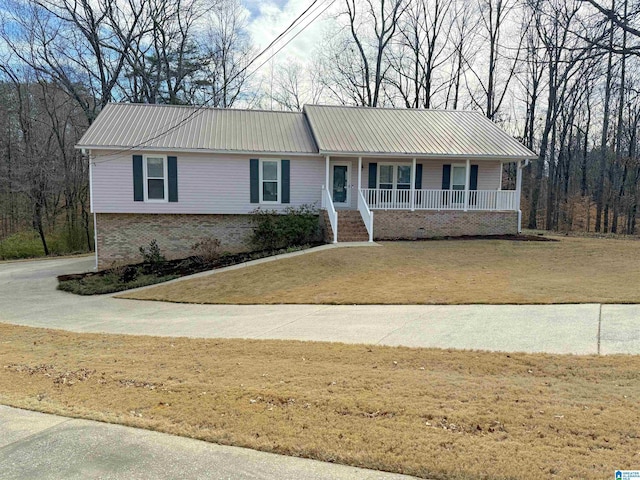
208	184
219	184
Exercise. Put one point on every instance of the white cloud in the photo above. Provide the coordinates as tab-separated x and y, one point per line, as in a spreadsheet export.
269	19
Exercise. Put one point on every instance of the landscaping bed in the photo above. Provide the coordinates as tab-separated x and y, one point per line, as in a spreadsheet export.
117	279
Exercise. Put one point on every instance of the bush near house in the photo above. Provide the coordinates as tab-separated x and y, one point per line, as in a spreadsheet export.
294	227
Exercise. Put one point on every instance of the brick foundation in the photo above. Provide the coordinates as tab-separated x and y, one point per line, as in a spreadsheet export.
398	224
121	235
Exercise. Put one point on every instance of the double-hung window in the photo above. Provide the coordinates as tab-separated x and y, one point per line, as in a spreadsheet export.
458	177
397	177
403	177
270	181
155	179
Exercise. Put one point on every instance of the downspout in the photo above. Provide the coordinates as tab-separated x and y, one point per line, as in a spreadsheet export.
95	225
519	192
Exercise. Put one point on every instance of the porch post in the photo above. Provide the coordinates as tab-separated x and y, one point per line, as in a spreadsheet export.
518	194
467	181
413	185
326	182
501	174
359	175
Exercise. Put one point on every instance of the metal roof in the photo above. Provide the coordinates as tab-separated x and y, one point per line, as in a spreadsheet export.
430	133
127	125
319	129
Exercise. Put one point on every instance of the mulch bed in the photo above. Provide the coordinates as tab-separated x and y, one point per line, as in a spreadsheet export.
127	275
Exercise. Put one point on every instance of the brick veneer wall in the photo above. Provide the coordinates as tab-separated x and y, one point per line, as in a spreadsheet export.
395	224
121	235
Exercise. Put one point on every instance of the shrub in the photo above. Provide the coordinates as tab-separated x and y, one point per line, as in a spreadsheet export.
293	227
207	250
151	253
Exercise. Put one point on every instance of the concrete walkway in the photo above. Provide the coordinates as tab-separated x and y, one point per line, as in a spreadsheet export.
38	446
28	297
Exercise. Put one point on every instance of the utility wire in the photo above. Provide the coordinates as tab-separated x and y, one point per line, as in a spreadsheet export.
200	108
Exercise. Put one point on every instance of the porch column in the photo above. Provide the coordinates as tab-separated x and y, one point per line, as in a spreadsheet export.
501	174
413	185
467	181
518	194
359	176
326	181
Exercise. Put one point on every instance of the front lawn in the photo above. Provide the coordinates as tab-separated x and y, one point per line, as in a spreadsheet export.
571	270
437	414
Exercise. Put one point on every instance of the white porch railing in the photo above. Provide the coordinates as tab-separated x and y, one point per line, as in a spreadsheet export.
327	204
366	214
386	199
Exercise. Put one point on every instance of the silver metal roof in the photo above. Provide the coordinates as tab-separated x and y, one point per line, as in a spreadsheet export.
430	133
127	125
318	129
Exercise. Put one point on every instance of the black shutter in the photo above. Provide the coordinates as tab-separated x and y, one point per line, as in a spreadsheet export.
286	181
473	185
418	185
373	175
446	177
138	179
172	171
254	178
446	183
473	180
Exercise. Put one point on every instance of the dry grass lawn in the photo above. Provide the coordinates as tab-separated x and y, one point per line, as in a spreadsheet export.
572	270
432	413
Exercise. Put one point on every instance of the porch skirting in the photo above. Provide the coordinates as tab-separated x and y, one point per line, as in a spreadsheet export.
120	236
399	224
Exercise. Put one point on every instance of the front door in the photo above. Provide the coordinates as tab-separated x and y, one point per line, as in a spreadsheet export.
340	185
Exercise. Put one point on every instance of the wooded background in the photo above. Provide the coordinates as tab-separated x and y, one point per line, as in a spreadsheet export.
561	76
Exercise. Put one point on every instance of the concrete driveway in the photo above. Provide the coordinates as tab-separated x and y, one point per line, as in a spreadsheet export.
28	297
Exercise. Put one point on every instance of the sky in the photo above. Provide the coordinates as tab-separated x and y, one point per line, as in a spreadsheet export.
267	19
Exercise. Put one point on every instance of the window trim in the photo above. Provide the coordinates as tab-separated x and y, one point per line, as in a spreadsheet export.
394	180
261	181
165	178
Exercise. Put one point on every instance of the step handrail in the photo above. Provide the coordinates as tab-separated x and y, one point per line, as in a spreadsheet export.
366	214
327	204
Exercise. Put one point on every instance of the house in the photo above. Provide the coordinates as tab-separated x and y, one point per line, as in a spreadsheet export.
178	174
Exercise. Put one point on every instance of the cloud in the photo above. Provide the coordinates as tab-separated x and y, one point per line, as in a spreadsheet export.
269	19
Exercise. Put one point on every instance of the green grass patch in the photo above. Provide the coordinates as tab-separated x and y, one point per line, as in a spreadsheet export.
27	244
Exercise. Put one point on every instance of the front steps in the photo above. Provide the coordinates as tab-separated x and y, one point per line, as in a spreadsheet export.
351	228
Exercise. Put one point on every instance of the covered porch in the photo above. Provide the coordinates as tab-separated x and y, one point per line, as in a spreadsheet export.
415	184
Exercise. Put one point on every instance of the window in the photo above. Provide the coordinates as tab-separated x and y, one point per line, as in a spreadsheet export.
404	177
269	181
155	183
394	177
386	177
458	177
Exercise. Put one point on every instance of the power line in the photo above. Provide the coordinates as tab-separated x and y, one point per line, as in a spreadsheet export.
201	107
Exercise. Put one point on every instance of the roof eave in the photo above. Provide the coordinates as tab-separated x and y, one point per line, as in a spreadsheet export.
513	158
124	149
